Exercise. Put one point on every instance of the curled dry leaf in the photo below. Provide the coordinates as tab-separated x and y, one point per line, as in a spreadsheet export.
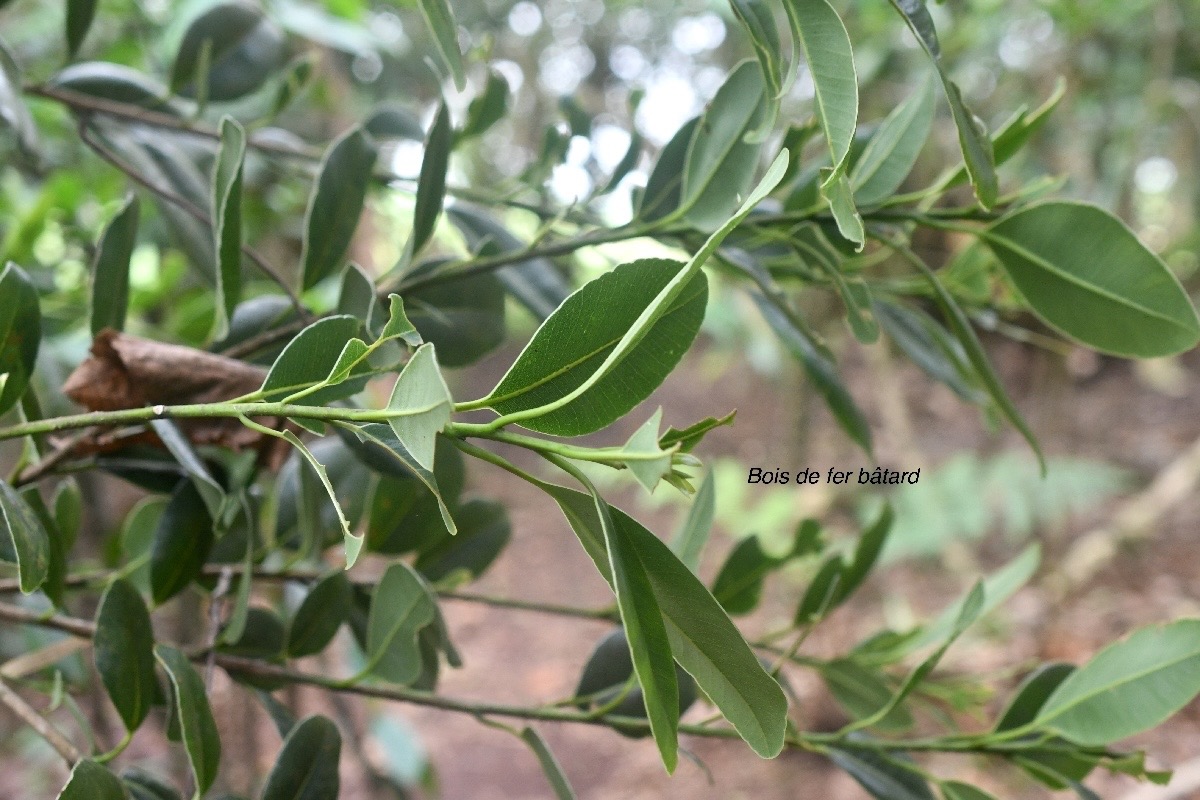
126	371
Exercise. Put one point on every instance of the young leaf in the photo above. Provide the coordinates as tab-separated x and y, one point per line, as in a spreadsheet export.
424	399
703	639
244	48
307	767
431	187
972	136
893	150
80	14
550	766
440	19
316	621
720	162
110	270
196	724
656	462
573	343
309	358
401	606
91	781
398	325
1086	274
336	203
20	333
1128	687
692	435
689	543
226	210
830	58
182	540
28	538
123	650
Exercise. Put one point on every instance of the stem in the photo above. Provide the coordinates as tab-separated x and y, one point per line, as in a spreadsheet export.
40	724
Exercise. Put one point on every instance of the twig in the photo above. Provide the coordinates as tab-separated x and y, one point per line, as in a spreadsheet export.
40	724
188	207
600	614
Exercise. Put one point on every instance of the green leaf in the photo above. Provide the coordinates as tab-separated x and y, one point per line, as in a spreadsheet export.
91	781
633	154
608	682
199	730
536	283
423	397
863	691
226	210
182	541
357	298
142	785
758	18
893	150
1128	687
431	185
80	14
398	325
440	19
388	446
972	136
483	532
20	333
123	651
692	435
309	358
1086	274
931	347
831	63
463	317
550	766
353	543
28	537
486	109
401	606
393	122
307	767
316	621
656	462
244	49
110	269
574	342
703	639
54	586
14	114
689	543
1032	694
186	456
118	83
957	790
884	776
720	162
336	203
664	187
739	583
820	367
836	190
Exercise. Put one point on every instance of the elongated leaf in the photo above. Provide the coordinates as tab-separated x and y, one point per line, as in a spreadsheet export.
972	136
307	767
431	187
182	451
54	586
836	190
863	692
14	114
1087	275
118	83
309	358
123	650
91	781
244	49
703	639
739	583
1032	694
893	150
80	14
486	109
226	210
440	19
182	540
550	766
388	446
831	63
196	724
720	162
1127	687
689	543
28	538
483	532
110	270
142	785
820	368
633	154
535	283
957	790
463	317
885	777
401	606
423	397
931	347
20	333
573	343
758	18
664	187
336	203
325	608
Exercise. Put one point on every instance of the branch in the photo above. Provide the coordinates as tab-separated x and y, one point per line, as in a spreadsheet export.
40	724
